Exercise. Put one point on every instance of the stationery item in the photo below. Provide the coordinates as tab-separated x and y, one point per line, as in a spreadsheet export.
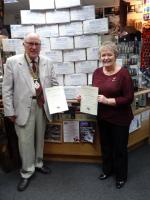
56	99
89	102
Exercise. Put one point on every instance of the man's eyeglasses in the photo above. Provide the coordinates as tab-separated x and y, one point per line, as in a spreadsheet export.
33	43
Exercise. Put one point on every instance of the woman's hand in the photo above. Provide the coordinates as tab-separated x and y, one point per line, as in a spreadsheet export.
107	101
103	99
78	98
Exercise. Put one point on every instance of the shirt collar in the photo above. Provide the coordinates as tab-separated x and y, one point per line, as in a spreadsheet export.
29	60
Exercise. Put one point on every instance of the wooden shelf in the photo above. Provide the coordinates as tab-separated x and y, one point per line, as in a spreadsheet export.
142	91
140	110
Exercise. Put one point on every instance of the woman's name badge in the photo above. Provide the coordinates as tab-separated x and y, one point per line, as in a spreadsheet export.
36	84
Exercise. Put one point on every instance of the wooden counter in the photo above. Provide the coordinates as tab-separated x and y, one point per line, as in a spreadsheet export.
87	152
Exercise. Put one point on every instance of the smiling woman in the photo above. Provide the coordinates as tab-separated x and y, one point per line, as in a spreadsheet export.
114	112
108	54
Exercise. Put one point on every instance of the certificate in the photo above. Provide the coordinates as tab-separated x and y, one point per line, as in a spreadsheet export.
89	102
56	99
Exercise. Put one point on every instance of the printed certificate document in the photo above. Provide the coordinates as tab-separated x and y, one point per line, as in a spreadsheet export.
56	99
89	102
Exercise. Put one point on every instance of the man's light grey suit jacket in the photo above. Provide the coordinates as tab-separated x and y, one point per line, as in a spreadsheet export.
18	88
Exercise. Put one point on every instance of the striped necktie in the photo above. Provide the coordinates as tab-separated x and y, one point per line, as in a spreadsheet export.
39	90
34	66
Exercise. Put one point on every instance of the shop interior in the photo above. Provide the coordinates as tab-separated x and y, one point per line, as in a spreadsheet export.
72	145
128	26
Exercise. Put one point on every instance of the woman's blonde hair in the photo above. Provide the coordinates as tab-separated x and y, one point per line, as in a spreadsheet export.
109	45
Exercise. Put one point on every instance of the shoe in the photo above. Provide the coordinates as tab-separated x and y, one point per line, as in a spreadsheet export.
23	184
120	184
44	170
103	176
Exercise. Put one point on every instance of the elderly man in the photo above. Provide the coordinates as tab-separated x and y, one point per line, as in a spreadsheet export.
25	78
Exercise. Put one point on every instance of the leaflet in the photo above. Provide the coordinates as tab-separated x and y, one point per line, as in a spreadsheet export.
89	101
56	99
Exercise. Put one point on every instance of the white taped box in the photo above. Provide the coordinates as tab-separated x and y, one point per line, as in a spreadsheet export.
71	92
45	44
92	53
82	13
62	43
60	79
47	30
57	16
95	26
71	29
19	31
90	77
64	68
119	61
11	45
32	17
41	5
74	55
75	79
86	66
67	3
54	56
85	41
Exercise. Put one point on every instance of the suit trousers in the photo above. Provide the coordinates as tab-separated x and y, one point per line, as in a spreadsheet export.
114	141
31	140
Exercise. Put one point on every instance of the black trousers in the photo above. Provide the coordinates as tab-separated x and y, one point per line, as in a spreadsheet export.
114	141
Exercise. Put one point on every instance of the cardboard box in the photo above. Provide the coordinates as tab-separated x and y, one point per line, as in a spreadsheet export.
85	41
47	30
57	16
71	92
11	45
86	66
32	17
19	31
82	13
74	55
67	3
75	79
60	79
95	26
93	53
71	29
54	56
90	77
45	44
41	5
62	43
64	68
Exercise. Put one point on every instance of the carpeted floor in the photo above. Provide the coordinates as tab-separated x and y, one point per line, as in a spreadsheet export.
78	181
